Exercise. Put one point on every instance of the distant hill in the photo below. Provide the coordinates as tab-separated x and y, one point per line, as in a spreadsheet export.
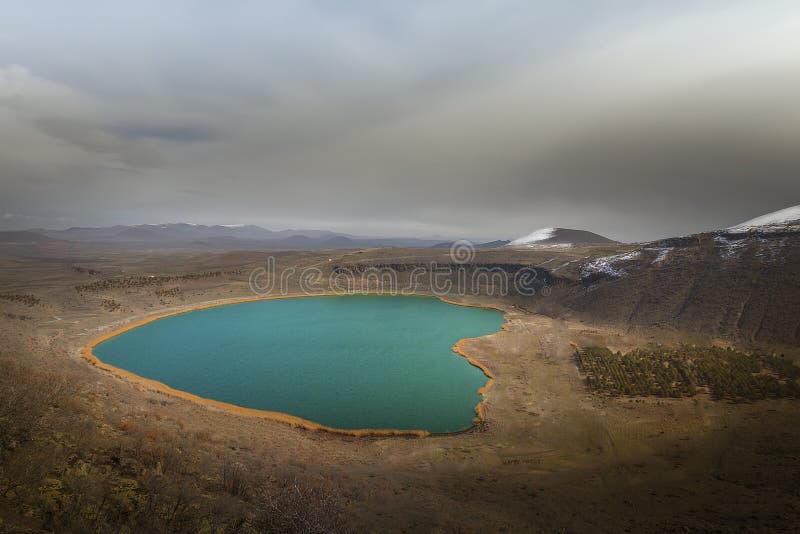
139	234
548	237
25	237
494	244
339	241
161	232
233	236
490	244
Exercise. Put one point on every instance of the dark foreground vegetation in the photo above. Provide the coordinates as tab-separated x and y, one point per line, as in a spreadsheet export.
683	371
64	469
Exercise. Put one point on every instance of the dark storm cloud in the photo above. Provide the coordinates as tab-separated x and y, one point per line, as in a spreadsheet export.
714	153
633	120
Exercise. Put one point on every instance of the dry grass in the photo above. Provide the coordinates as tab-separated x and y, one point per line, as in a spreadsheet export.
61	470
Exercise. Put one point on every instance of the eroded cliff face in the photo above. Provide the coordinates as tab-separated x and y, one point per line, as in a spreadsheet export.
732	285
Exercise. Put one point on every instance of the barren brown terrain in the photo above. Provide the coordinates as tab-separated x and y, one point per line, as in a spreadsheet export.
103	453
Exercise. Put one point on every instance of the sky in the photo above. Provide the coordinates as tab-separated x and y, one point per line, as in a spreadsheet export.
636	120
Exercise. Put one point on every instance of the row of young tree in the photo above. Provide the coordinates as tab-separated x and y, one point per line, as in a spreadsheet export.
680	372
28	300
145	281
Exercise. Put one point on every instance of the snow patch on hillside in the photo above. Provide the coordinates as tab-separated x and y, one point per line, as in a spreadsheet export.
776	218
661	253
607	266
730	247
534	237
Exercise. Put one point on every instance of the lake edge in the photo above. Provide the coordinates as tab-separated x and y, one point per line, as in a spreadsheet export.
282	417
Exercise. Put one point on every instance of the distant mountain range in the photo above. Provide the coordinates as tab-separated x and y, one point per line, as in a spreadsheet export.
185	235
24	237
247	236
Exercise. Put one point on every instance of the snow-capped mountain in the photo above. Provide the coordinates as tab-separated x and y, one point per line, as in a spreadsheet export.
542	234
559	237
788	218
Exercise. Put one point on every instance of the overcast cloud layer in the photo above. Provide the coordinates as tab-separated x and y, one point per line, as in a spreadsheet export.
634	119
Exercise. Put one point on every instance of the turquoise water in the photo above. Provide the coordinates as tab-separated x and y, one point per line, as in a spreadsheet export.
347	362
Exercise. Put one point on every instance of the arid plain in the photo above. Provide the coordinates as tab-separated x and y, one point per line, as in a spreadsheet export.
550	456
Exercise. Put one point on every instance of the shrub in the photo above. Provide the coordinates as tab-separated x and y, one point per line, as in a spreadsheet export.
678	372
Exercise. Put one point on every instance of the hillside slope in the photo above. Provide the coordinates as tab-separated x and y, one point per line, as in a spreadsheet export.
744	286
548	237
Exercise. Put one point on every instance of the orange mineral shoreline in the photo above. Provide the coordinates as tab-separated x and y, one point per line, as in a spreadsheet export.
293	421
